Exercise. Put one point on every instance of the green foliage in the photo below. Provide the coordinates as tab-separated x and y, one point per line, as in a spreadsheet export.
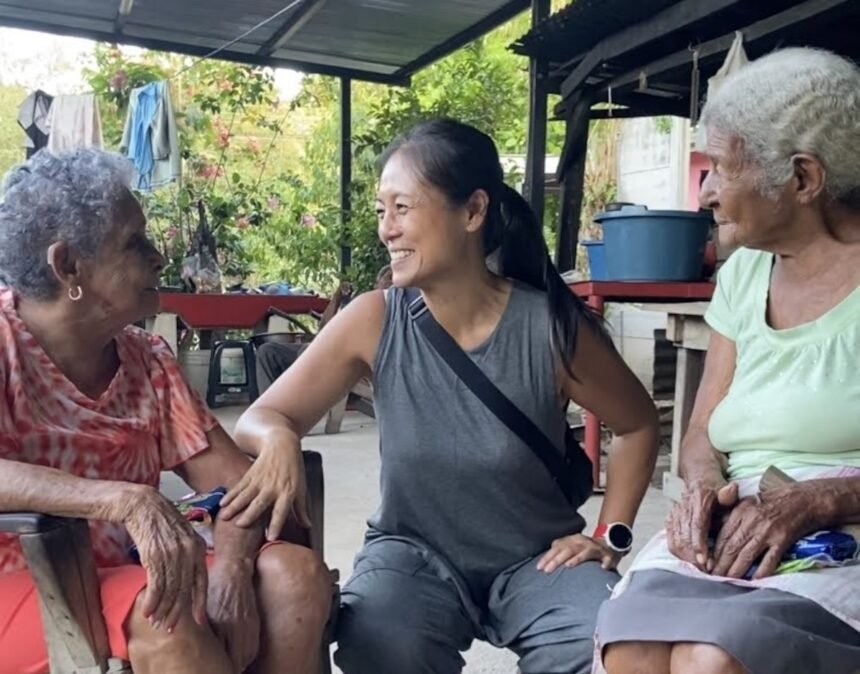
11	134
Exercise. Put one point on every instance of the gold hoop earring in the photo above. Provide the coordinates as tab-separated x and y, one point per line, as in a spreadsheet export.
75	296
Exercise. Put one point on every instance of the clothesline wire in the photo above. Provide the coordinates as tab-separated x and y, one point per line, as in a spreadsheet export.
224	46
269	149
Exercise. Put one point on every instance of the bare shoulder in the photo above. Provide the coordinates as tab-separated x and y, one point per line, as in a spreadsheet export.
357	328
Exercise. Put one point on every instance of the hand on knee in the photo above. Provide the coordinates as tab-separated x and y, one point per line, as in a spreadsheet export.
187	647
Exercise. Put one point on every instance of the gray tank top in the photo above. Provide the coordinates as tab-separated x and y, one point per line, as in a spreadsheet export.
453	476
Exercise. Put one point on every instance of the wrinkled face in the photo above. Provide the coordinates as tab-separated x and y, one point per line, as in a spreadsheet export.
121	281
425	234
745	217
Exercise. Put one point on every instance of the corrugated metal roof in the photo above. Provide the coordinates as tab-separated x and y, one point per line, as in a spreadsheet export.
382	40
578	27
654	76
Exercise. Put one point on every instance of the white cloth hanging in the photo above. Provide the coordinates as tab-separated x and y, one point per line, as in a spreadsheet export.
735	60
74	122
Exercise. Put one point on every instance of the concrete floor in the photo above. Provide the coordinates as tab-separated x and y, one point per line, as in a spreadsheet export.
351	462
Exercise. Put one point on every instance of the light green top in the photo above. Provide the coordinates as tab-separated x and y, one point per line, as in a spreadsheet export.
795	397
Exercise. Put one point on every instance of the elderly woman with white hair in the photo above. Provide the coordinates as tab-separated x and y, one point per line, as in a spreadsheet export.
780	388
92	410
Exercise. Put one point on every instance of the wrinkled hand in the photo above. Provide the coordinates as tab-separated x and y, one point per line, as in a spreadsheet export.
233	613
275	480
572	550
690	520
173	556
764	526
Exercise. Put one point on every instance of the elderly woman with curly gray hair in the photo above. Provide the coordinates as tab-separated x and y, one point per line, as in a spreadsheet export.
91	411
780	389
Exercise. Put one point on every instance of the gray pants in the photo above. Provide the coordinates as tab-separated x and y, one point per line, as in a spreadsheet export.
405	612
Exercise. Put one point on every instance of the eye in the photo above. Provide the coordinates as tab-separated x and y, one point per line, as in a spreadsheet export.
380	213
402	209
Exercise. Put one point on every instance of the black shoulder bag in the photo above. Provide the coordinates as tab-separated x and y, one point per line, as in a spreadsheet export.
571	472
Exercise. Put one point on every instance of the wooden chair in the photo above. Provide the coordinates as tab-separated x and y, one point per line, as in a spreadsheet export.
60	558
361	398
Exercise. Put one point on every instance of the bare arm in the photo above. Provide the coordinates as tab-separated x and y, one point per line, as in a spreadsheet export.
272	427
232	605
706	488
700	461
54	492
168	548
332	364
605	385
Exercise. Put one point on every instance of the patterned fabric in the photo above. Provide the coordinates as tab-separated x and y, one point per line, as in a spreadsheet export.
148	420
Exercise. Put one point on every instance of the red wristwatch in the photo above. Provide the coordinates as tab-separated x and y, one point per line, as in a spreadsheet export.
617	536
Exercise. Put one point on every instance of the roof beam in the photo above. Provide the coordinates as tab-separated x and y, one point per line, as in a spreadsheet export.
124	8
755	31
671	19
108	36
298	18
464	37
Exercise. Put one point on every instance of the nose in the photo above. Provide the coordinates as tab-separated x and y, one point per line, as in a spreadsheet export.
708	192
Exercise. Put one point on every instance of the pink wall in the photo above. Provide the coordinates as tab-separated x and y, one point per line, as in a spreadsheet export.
698	170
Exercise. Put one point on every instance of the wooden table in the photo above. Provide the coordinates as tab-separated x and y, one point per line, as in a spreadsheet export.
686	328
228	312
597	294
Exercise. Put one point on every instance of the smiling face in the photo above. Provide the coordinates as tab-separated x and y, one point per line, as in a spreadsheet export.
744	215
122	279
426	235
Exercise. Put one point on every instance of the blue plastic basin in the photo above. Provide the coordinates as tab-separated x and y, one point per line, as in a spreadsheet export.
643	245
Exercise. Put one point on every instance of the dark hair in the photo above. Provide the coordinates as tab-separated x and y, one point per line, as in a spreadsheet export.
458	159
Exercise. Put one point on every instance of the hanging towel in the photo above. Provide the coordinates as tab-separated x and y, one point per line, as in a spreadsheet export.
735	60
150	138
74	122
33	118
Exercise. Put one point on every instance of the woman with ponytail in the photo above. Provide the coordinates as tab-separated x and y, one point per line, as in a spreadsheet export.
473	538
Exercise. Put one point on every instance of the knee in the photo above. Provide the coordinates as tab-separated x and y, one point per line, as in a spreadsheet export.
293	576
377	633
704	659
369	642
637	657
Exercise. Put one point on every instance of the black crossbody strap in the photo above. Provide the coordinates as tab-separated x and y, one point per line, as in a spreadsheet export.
489	394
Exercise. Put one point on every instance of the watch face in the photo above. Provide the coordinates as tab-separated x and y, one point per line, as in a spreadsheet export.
620	536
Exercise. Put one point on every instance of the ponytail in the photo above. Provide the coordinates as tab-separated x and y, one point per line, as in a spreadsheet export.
523	255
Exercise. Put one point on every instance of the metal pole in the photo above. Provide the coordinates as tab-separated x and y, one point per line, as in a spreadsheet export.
535	178
345	169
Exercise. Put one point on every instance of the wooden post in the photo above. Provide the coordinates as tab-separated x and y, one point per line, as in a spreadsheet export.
534	187
61	563
572	173
345	169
